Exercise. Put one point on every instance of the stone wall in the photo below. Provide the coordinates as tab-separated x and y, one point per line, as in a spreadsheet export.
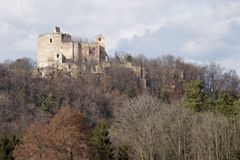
52	44
58	49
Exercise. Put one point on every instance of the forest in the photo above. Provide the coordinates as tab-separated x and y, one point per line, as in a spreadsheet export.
186	112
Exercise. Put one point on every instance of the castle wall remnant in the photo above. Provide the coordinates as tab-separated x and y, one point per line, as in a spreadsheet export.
60	50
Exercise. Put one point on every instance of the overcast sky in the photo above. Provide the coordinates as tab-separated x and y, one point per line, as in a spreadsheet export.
196	30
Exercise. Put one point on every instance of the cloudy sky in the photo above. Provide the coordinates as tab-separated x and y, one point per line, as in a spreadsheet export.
196	30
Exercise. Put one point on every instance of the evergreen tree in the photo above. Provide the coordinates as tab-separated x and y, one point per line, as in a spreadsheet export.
101	140
226	104
122	153
22	96
7	145
237	106
195	97
46	101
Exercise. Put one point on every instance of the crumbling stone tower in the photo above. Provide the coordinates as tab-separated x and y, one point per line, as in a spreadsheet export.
60	50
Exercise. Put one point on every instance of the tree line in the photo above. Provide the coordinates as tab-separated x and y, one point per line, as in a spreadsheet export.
188	111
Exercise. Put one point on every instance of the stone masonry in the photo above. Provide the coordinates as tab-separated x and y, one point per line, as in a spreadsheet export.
59	50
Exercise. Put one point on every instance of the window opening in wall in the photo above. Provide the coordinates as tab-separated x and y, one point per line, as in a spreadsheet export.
99	39
57	55
91	51
69	66
50	40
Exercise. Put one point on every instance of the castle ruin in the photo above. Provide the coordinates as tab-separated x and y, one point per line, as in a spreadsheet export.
61	51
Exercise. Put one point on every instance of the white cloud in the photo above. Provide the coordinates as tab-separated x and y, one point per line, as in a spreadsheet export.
195	30
190	47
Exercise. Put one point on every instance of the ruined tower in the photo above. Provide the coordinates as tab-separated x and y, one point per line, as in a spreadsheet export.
59	49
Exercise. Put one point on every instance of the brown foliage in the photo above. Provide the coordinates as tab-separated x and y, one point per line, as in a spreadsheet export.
65	137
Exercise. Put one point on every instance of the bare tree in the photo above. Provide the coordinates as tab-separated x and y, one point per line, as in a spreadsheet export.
154	130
